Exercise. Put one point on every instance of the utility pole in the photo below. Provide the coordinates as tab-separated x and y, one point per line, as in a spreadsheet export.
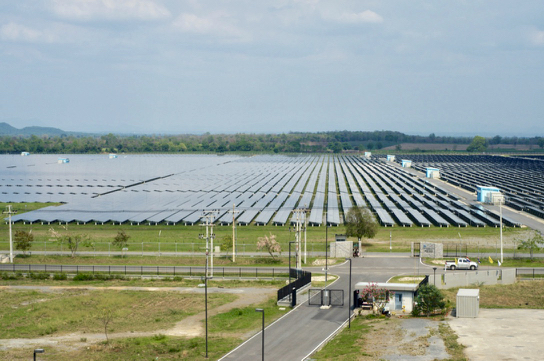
305	227
209	216
500	211
9	212
234	233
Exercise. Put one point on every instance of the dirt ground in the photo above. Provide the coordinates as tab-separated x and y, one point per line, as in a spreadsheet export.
399	339
188	327
502	334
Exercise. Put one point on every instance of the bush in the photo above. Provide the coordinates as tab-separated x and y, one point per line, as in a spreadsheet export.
84	277
10	276
60	276
428	301
39	276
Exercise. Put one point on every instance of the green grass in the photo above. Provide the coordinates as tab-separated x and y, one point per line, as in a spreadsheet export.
526	295
241	320
158	347
454	348
349	343
28	314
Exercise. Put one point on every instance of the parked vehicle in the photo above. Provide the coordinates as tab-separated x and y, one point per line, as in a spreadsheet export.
461	263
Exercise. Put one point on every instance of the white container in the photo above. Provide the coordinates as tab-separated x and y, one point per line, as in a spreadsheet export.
468	303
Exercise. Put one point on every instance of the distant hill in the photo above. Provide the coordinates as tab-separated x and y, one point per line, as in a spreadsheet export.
6	129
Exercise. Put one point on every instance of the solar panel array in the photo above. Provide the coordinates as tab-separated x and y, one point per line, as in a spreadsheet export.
263	189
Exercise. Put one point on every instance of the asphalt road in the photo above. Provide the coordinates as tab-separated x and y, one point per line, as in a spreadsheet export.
299	333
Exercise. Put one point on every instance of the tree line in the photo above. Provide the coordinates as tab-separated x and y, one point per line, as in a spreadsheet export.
336	142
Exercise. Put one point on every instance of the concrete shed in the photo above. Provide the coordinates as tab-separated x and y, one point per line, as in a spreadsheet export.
468	303
433	173
390	158
402	300
406	163
368	155
490	195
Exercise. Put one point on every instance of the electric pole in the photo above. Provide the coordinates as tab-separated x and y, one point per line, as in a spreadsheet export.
9	212
234	232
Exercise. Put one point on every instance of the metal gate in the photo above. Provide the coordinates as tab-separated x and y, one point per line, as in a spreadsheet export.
325	297
417	249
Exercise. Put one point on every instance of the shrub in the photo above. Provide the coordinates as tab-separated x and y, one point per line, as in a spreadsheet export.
429	300
84	277
39	276
60	276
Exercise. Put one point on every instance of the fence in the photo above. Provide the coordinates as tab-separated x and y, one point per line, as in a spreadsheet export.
305	278
534	273
237	272
141	248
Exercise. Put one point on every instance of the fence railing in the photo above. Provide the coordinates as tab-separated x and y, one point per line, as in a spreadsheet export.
141	248
535	273
304	278
191	271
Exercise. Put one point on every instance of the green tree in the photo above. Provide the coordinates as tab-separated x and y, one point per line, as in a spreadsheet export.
478	144
121	240
532	244
226	244
23	241
74	241
429	300
361	223
541	142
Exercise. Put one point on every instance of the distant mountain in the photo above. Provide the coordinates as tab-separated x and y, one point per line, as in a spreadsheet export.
6	129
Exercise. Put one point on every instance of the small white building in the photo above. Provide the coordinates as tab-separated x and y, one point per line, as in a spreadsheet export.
406	163
402	295
112	156
63	160
390	158
433	173
25	154
368	155
489	195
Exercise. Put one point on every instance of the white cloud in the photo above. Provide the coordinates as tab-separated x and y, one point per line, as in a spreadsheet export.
537	37
217	24
109	9
367	16
18	32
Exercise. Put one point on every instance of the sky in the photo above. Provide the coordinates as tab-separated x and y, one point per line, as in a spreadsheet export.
451	67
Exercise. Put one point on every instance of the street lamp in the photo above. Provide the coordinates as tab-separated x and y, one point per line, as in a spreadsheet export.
434	275
349	294
290	260
262	348
326	244
38	350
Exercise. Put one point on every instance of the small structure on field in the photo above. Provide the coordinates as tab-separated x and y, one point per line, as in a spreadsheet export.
433	173
489	195
406	163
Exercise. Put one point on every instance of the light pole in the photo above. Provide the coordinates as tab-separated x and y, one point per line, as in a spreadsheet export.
434	275
390	247
500	211
262	347
38	350
349	294
326	245
290	262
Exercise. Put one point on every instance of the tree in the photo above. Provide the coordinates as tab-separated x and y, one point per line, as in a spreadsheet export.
106	317
73	241
532	244
121	240
429	299
226	244
23	241
478	144
541	142
269	244
361	223
379	297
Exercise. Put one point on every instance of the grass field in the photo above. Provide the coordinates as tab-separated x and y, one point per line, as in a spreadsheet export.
29	314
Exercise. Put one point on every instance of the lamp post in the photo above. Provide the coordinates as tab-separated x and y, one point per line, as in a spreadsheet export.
326	245
38	350
434	275
262	347
500	211
349	294
290	262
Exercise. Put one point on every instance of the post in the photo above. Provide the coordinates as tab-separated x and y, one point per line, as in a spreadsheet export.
262	346
349	294
305	227
434	275
500	211
10	212
326	245
206	293
233	233
390	246
38	350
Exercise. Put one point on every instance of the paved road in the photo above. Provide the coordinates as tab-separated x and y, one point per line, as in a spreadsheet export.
300	332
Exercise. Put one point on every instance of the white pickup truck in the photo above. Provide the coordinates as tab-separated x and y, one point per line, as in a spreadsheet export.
461	263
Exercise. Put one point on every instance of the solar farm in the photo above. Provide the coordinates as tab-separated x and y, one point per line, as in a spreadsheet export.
265	189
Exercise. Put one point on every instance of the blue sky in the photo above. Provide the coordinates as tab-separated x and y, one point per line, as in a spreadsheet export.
161	66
